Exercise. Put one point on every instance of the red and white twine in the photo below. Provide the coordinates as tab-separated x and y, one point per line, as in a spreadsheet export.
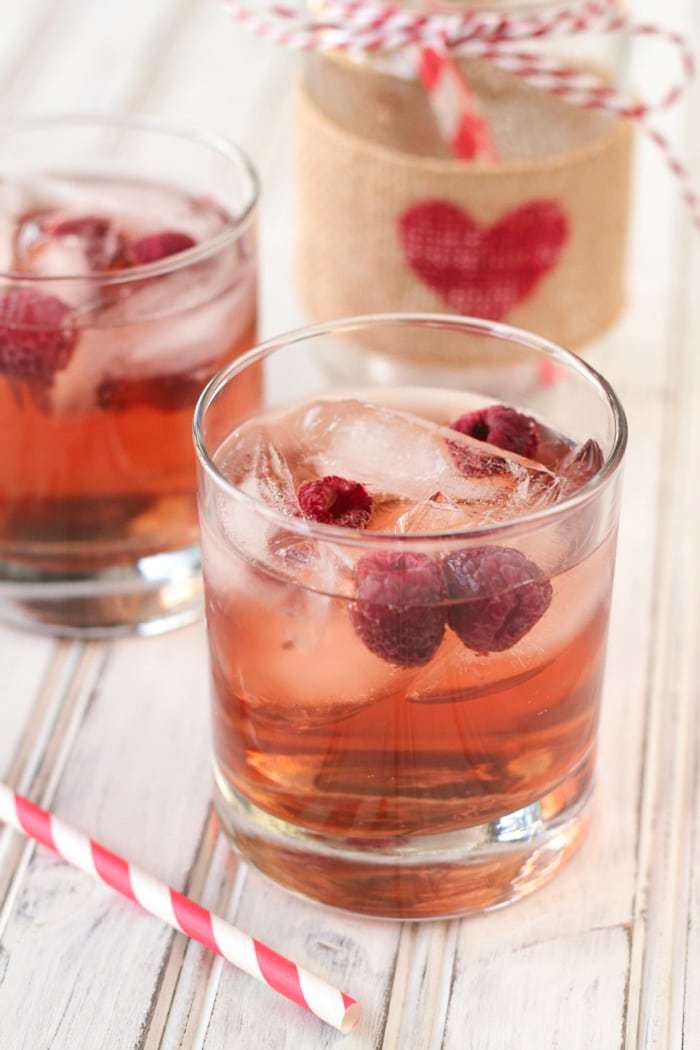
178	911
363	25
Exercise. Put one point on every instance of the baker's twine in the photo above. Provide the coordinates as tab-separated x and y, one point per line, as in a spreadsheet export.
360	25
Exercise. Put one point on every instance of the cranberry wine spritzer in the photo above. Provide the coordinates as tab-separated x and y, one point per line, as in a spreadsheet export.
407	600
127	279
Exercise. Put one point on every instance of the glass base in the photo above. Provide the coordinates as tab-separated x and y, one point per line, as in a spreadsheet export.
431	877
150	596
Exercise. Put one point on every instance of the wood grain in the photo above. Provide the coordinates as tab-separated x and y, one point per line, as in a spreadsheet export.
116	737
106	952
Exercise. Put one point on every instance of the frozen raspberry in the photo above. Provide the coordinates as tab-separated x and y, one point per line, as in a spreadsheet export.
158	246
399	614
581	464
166	393
102	242
37	335
336	501
503	595
501	426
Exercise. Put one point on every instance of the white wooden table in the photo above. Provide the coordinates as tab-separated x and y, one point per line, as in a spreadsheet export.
115	737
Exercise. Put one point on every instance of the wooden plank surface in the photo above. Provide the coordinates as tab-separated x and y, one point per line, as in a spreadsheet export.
609	954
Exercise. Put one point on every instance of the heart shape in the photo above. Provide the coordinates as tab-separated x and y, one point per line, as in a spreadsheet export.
484	271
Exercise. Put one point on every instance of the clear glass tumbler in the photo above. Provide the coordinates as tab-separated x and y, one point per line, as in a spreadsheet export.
127	279
407	598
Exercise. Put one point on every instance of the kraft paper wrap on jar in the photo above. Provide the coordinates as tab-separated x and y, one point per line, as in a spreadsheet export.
390	221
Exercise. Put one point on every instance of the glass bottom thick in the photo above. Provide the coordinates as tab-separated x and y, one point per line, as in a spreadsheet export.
149	596
427	877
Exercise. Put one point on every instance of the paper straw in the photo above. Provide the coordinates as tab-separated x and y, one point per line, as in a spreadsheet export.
256	959
455	107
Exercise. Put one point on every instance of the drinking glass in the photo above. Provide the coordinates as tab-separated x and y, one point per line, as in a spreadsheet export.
420	745
127	279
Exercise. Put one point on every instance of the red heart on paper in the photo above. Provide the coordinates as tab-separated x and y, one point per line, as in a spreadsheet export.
480	270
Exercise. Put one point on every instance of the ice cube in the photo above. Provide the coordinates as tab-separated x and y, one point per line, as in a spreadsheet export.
439	515
302	664
186	341
261	471
180	321
398	453
39	253
53	244
14	201
256	466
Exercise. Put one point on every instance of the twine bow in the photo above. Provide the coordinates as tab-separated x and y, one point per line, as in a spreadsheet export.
362	25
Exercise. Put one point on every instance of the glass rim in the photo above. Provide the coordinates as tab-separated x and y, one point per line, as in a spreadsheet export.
367	537
216	143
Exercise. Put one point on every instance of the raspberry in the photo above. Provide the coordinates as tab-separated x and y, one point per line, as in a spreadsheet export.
166	393
501	426
506	596
336	501
581	464
399	614
158	246
37	335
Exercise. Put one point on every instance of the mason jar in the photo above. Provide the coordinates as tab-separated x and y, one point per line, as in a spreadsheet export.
390	219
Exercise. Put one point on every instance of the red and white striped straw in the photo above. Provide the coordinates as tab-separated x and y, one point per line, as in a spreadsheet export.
248	954
455	107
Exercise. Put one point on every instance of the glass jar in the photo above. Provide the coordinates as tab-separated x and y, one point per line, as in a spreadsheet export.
390	219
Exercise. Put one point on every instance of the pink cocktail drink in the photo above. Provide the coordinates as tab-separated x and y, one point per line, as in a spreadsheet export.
407	623
121	296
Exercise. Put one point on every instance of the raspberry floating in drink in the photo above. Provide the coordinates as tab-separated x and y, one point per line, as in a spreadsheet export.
399	613
37	335
157	246
501	426
499	595
336	501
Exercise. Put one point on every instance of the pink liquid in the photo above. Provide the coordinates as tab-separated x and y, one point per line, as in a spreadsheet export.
97	463
318	731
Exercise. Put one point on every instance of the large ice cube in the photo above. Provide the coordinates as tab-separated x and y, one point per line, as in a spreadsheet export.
299	662
42	254
185	341
180	321
259	469
397	453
